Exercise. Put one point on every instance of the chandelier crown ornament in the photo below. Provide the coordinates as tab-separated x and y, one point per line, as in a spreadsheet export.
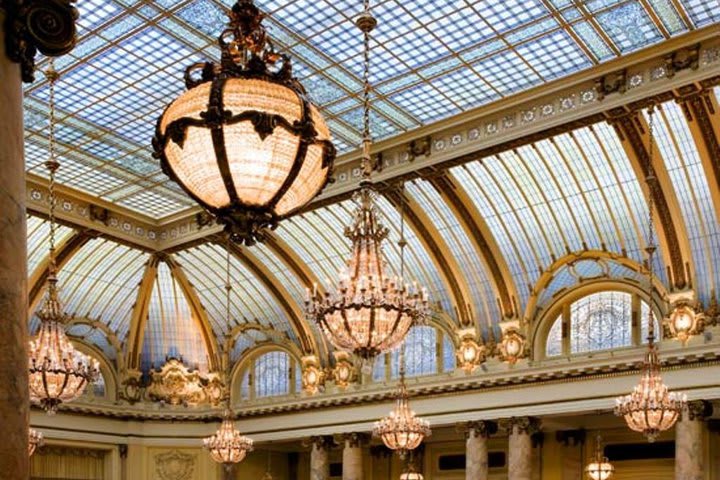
600	468
402	430
650	408
244	141
57	371
35	440
228	446
368	313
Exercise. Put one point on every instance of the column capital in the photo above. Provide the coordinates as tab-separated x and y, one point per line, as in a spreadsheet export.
526	425
47	26
477	428
354	439
320	442
699	410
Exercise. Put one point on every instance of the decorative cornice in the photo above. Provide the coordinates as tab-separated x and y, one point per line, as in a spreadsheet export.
47	26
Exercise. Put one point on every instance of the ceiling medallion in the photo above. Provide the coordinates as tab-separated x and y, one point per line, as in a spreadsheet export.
35	441
513	345
344	371
651	408
402	431
368	313
600	468
244	141
58	372
228	446
313	377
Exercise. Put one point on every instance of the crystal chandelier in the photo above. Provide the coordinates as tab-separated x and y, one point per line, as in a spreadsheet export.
244	141
368	313
58	372
402	430
651	408
228	446
35	441
600	468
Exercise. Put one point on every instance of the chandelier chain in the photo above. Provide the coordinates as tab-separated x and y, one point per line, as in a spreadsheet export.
367	140
228	290
402	243
53	163
651	180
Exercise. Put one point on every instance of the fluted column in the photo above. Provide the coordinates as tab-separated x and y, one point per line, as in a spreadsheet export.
352	468
520	450
319	458
14	400
476	449
690	442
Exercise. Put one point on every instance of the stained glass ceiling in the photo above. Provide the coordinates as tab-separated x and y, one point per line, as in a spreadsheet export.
432	59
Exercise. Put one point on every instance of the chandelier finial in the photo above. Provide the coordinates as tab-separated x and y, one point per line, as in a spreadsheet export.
651	408
58	372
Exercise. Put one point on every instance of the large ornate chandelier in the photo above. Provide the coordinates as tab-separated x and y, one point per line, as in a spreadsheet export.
402	430
600	468
58	372
228	446
369	312
244	141
651	408
35	441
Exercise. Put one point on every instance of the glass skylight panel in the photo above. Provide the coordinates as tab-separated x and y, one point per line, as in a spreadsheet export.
38	234
395	20
171	329
466	88
554	55
466	256
205	15
417	47
276	266
507	72
509	14
461	29
425	103
702	12
562	279
629	26
669	16
93	13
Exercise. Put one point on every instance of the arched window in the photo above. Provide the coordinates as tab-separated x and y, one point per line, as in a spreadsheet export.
427	349
272	374
448	354
599	321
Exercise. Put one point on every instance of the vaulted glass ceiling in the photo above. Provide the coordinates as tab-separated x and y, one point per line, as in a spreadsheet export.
431	60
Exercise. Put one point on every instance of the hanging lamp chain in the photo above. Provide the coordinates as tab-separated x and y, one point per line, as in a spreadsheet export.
651	180
228	290
366	23
52	165
402	243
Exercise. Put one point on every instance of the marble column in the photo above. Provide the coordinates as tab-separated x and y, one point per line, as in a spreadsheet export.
352	466
520	449
319	458
14	400
476	449
690	441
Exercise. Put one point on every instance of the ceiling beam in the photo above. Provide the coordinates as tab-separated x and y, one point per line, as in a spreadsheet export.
673	240
63	253
482	239
198	311
436	247
700	106
294	312
138	320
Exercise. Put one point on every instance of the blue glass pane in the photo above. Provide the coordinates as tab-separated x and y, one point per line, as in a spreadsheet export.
420	353
553	346
601	321
629	26
272	374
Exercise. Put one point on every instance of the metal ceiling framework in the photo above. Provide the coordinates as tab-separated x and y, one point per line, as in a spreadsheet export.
489	226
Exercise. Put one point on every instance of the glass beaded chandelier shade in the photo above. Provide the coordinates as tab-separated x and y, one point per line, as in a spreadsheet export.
600	468
368	313
244	141
58	373
651	408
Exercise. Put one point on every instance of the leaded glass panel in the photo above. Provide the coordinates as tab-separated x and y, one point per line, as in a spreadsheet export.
553	346
420	353
272	374
601	321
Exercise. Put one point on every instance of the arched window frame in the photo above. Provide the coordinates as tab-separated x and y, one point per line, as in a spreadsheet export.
245	369
107	372
561	307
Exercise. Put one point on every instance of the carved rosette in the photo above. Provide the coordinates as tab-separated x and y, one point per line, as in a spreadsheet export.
175	465
32	26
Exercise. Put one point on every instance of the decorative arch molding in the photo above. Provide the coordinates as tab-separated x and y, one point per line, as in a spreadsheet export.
109	335
541	328
271	333
534	308
259	349
108	372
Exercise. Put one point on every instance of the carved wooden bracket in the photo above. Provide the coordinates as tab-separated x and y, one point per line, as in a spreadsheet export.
611	83
99	214
47	26
419	147
682	59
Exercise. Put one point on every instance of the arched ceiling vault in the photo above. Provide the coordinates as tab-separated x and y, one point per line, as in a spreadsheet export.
134	342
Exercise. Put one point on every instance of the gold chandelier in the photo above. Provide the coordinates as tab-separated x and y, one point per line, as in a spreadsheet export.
368	313
402	430
244	141
600	468
651	408
35	441
228	446
58	372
